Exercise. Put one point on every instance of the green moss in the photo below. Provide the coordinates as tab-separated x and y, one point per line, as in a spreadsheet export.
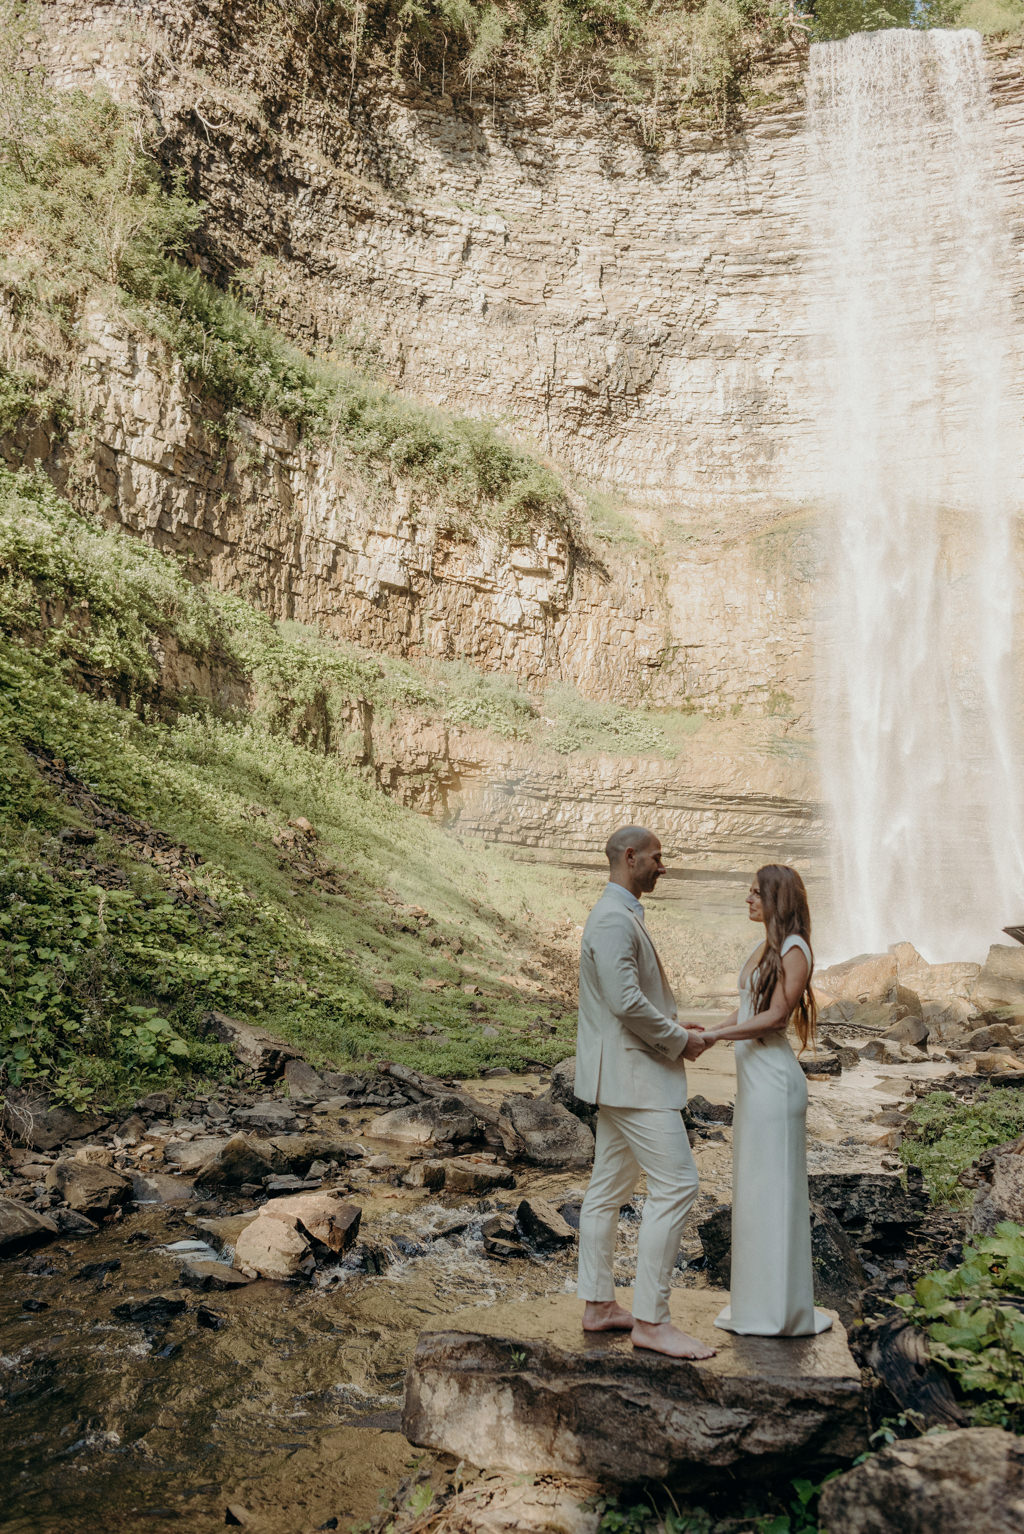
945	1135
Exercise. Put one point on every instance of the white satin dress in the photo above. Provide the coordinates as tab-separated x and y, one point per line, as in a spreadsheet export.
772	1286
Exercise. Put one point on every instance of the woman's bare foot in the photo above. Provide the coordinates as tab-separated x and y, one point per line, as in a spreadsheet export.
663	1337
606	1316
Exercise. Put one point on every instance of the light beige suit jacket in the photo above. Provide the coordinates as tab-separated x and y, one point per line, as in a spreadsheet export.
629	1044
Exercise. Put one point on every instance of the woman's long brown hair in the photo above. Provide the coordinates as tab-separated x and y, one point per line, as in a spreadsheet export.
785	909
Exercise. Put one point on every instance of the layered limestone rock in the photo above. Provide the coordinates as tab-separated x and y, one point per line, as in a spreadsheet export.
521	1389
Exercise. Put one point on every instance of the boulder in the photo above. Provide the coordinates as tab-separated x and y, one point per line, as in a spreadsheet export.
885	1052
272	1115
992	1036
543	1226
1000	982
324	1219
435	1121
866	978
874	1208
31	1119
160	1188
700	1111
236	1161
304	1081
716	1238
425	1174
948	1020
997	1177
908	1030
932	982
997	1063
189	1155
207	1276
251	1047
562	1091
471	1174
22	1227
89	1189
298	1152
822	1063
271	1248
223	1231
538	1130
518	1388
839	1278
970	1480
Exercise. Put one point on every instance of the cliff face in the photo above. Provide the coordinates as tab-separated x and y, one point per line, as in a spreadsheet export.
640	312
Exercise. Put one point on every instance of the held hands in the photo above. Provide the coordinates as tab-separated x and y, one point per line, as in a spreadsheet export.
696	1043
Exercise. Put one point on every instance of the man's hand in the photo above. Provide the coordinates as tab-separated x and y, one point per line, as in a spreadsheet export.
695	1046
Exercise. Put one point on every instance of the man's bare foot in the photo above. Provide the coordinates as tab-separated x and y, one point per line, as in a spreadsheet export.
663	1337
606	1316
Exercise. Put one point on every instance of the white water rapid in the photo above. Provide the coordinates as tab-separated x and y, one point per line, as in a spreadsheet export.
921	418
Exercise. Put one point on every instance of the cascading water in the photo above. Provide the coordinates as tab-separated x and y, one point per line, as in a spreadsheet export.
921	421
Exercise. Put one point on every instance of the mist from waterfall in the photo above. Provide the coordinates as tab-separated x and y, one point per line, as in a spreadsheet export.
921	421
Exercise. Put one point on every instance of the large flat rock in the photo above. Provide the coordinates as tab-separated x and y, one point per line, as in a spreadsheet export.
519	1387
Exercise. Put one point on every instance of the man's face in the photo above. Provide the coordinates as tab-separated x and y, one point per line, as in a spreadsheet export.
646	865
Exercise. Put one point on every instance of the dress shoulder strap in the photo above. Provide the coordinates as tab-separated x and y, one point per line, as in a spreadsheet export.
794	940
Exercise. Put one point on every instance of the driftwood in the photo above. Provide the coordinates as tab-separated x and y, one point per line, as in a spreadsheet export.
897	1353
430	1086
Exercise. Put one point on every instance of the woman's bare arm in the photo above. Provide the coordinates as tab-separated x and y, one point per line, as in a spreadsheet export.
788	991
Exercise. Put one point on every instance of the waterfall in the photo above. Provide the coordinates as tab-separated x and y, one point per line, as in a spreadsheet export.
921	425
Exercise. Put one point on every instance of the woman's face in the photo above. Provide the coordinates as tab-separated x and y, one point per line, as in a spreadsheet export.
754	910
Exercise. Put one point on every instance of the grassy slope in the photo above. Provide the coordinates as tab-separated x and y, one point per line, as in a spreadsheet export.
105	942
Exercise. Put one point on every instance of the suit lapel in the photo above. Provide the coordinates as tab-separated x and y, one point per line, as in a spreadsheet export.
657	955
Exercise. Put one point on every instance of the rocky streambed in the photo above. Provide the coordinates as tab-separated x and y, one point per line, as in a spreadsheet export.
162	1364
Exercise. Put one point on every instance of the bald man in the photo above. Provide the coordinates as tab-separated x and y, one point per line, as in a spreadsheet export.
630	1055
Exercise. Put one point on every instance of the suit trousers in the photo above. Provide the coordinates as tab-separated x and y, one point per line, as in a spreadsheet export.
628	1141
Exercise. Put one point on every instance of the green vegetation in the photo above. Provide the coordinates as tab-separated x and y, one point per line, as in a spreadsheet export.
945	1135
155	861
973	1315
84	215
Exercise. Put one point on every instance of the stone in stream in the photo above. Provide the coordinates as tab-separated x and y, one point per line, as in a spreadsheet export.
519	1388
324	1218
269	1248
425	1174
211	1275
997	1177
31	1119
89	1189
435	1121
562	1091
716	1238
236	1161
272	1115
225	1230
74	1225
155	1312
22	1227
297	1152
471	1174
161	1188
543	1226
538	1130
970	1481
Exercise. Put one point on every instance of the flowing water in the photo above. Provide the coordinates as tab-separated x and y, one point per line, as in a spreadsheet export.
921	420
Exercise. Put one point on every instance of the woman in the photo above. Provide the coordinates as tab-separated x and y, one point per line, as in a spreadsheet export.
772	1290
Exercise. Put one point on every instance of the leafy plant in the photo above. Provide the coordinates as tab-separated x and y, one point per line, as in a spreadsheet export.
973	1315
945	1135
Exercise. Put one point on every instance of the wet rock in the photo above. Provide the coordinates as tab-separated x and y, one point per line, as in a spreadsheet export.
210	1320
237	1515
34	1305
839	1277
425	1174
873	1208
847	1056
224	1231
235	1162
523	1391
540	1131
74	1225
562	1091
701	1112
273	1248
716	1238
1000	982
22	1228
87	1188
189	1155
471	1174
323	1218
253	1048
970	1480
997	1177
304	1081
298	1152
286	1183
373	1260
543	1226
161	1188
821	1063
435	1121
211	1275
98	1270
908	1030
31	1119
155	1312
273	1116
